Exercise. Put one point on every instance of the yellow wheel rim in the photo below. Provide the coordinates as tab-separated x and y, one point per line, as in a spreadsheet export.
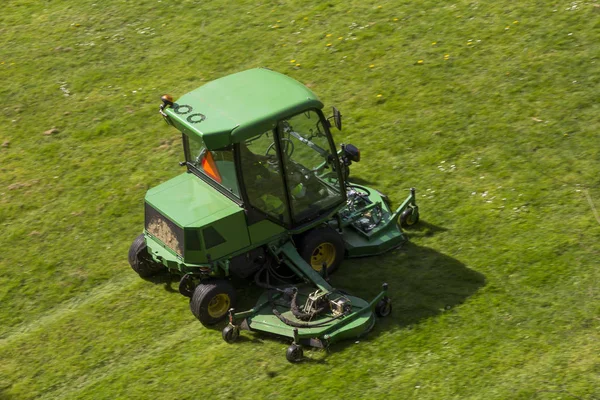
218	305
323	253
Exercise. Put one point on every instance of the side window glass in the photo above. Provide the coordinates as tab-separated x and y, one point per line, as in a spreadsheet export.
262	176
218	165
307	156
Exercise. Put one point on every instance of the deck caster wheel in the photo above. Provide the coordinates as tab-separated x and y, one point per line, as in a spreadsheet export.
384	307
409	217
230	333
294	353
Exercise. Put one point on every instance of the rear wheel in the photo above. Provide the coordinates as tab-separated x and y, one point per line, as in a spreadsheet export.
140	260
212	300
322	246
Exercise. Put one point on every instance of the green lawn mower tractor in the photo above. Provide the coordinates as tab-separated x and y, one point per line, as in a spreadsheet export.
266	196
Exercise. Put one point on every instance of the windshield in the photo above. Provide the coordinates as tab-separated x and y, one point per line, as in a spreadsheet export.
217	165
309	165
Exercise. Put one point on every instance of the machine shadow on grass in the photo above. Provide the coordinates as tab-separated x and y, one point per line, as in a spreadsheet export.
423	283
169	281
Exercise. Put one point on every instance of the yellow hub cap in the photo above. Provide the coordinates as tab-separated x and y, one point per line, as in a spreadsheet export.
323	253
218	305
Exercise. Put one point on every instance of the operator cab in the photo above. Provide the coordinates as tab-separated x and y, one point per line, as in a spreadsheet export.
288	174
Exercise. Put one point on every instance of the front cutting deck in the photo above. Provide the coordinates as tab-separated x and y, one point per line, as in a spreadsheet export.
320	332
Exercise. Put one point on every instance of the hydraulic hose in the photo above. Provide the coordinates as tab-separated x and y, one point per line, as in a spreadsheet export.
268	285
304	324
294	305
302	315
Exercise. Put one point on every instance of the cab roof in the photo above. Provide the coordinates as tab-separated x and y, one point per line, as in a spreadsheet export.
240	106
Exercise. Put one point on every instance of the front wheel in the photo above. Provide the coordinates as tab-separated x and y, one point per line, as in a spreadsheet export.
212	300
322	247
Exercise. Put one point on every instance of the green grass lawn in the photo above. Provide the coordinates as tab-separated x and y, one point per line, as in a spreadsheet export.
489	109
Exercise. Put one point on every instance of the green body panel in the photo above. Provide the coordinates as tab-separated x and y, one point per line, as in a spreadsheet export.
264	231
233	229
188	201
192	204
163	254
237	107
358	246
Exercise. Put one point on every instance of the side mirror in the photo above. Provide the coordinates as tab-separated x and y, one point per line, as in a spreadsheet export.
337	118
351	152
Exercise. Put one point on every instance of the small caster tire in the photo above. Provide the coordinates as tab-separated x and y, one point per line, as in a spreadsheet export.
294	353
383	308
409	217
230	333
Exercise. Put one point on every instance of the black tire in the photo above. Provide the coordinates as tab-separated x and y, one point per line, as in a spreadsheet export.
384	307
294	353
140	260
322	245
409	217
212	300
187	285
230	333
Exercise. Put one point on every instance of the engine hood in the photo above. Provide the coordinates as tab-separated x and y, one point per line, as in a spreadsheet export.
190	202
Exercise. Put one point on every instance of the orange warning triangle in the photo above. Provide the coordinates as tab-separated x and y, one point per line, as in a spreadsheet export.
209	166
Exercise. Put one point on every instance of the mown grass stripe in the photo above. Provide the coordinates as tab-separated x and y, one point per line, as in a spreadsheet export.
114	286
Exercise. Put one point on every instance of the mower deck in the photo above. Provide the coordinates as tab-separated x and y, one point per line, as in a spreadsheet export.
342	316
369	226
324	330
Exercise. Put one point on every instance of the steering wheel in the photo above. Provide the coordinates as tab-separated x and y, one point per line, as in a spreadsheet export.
288	148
